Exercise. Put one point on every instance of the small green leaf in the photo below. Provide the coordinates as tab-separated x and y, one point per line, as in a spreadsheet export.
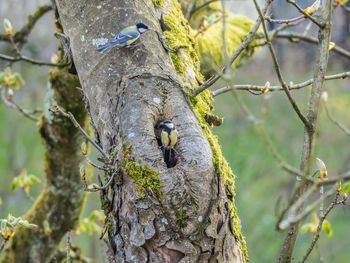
18	79
26	224
346	188
326	226
24	180
8	27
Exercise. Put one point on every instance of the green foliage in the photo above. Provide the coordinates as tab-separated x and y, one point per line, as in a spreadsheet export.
312	226
24	180
158	3
180	37
7	226
346	188
9	79
92	224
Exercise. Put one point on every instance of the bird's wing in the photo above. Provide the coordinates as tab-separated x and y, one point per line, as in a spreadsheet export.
173	137
122	37
165	138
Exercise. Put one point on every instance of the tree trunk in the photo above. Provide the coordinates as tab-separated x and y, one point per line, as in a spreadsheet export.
189	214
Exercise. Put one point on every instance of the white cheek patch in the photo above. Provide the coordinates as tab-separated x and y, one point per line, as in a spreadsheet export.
141	30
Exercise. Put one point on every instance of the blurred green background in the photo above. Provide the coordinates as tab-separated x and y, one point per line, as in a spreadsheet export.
260	181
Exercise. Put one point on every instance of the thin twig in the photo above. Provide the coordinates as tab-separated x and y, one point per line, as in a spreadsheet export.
278	70
95	165
196	8
274	32
30	60
98	188
296	37
342	177
324	34
245	43
190	7
69	245
332	119
319	227
248	87
291	220
260	128
284	21
11	103
223	39
21	35
314	20
77	125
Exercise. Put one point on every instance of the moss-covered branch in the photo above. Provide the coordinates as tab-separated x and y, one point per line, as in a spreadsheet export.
58	207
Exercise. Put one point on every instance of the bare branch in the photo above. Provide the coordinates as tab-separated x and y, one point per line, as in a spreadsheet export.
284	21
69	245
314	20
260	128
332	119
11	103
296	218
30	60
95	188
21	35
278	70
95	165
69	115
260	88
324	35
319	227
245	43
193	8
344	177
294	37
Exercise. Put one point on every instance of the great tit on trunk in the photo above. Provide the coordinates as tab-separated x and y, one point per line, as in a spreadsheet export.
127	37
168	138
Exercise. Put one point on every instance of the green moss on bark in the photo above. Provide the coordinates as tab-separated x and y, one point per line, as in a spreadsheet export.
158	3
144	178
180	36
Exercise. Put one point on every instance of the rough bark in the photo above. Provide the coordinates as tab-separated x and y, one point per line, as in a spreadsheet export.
58	207
189	216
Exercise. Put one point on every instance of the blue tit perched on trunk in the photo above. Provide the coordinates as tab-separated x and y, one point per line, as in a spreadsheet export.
168	138
126	38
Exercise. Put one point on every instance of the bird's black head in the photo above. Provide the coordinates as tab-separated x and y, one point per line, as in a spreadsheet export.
167	124
141	27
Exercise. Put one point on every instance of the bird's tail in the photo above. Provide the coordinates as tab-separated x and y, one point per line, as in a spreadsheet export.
105	47
170	157
167	156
